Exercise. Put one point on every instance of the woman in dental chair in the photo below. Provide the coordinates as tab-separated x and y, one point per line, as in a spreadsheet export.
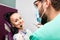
17	23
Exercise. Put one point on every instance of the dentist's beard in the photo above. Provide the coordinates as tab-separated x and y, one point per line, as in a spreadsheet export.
44	19
43	16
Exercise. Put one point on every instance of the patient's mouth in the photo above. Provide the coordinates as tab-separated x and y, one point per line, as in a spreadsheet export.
20	25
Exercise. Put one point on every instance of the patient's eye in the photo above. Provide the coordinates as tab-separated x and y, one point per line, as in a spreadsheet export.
16	20
20	18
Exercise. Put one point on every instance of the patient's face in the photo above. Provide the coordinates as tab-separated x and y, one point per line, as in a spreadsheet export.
17	20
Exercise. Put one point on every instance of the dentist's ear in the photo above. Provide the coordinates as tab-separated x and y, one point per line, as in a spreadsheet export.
47	4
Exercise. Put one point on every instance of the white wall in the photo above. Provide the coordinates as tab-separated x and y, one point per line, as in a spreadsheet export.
27	10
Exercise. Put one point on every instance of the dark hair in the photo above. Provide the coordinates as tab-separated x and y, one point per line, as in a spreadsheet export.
37	1
7	18
56	4
44	19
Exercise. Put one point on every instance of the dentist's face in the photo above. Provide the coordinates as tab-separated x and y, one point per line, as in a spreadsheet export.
17	20
39	6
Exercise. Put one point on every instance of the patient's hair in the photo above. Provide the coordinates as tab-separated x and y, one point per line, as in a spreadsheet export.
7	16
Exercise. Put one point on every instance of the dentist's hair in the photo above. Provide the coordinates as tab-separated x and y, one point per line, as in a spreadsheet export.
55	4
